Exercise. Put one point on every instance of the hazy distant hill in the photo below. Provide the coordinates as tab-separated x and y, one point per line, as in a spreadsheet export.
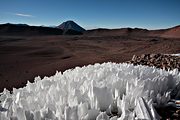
173	32
70	27
23	29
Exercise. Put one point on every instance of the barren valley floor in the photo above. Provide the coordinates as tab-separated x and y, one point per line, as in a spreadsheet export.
23	58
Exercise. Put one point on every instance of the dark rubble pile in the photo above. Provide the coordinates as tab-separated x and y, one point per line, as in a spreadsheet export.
167	62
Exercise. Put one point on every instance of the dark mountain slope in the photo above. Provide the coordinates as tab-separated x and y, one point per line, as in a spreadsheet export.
70	27
23	30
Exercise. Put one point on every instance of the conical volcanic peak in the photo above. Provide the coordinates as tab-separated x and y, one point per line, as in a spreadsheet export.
71	25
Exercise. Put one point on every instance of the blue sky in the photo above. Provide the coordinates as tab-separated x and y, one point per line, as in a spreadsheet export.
151	14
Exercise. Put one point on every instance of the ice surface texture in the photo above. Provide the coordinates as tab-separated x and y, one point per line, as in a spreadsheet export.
107	91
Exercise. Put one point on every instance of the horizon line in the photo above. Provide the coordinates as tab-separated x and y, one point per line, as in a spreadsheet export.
95	27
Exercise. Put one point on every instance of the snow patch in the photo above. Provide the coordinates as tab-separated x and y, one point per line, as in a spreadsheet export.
176	54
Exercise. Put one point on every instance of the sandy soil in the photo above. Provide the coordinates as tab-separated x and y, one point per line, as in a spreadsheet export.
23	58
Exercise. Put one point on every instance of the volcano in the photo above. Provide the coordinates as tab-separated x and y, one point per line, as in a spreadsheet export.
70	27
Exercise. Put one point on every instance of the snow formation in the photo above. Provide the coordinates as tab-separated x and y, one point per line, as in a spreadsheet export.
178	54
107	91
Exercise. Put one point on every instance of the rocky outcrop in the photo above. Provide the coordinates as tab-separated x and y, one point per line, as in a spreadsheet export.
167	62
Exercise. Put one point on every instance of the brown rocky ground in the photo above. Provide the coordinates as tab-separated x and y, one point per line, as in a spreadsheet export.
23	58
163	61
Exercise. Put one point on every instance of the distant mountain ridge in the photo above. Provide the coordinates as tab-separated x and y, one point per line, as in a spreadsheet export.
26	30
70	27
173	32
66	28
